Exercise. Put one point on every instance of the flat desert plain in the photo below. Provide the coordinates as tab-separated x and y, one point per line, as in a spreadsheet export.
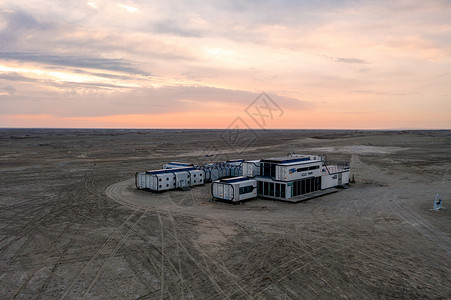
73	226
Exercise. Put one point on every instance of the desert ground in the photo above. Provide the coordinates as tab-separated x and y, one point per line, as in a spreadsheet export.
73	226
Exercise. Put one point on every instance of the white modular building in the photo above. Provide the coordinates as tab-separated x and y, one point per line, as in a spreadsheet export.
168	179
291	178
234	189
296	177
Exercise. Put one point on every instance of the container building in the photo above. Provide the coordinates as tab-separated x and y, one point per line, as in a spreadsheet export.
168	179
234	189
296	177
290	178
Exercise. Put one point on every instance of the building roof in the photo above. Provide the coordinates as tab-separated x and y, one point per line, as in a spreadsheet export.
167	171
285	159
235	179
301	162
174	163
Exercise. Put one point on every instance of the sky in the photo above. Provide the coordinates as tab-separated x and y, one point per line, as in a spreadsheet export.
225	64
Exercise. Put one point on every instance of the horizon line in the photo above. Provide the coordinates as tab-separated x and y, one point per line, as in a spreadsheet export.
139	128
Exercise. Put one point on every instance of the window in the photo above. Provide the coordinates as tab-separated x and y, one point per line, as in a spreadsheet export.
307	185
246	189
277	194
268	170
265	170
307	168
271	189
265	188
298	188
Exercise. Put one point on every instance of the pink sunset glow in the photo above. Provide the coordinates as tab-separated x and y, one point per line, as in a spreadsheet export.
172	64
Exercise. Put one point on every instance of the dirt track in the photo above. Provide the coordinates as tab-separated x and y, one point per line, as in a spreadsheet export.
73	226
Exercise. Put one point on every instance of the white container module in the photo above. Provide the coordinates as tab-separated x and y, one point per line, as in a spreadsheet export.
222	172
211	173
197	177
182	179
234	189
236	171
167	179
298	170
251	168
140	180
291	168
335	175
162	180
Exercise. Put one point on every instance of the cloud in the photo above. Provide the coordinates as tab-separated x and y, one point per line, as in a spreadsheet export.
103	75
189	98
377	93
346	60
7	90
174	28
119	65
12	76
127	8
70	85
17	24
73	99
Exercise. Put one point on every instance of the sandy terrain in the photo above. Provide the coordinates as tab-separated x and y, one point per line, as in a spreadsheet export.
74	227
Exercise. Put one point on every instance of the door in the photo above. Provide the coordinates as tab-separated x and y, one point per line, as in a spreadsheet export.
339	178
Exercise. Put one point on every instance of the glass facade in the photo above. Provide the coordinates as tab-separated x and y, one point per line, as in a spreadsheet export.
306	186
299	187
271	189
